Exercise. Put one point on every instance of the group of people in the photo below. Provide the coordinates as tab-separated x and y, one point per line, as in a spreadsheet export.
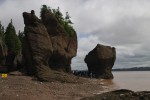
83	73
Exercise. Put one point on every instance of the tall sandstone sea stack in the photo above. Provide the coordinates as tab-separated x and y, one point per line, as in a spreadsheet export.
64	46
100	61
47	48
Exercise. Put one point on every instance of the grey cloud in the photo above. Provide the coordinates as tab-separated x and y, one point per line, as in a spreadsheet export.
2	1
125	31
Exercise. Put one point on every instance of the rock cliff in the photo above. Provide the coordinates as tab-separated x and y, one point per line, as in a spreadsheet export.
37	45
47	47
64	46
100	61
3	54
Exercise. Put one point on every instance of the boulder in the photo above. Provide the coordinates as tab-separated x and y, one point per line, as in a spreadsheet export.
100	61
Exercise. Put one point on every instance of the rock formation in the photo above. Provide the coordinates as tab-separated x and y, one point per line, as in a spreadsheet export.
100	61
3	54
47	48
64	46
37	45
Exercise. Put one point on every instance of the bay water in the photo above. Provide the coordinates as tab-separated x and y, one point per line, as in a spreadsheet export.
132	80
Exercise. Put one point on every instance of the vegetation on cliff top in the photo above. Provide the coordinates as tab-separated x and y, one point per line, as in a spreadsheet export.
65	22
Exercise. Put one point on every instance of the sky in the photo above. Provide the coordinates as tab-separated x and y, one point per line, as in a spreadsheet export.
123	24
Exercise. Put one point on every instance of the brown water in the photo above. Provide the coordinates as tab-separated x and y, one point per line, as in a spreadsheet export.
133	80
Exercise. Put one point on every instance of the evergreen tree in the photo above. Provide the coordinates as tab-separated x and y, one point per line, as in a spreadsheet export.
65	23
12	41
58	15
13	46
44	9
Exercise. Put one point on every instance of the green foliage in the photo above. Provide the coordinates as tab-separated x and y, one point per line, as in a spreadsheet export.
44	9
65	22
12	41
58	15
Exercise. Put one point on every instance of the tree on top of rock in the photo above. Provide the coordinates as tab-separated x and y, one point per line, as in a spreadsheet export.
65	22
12	41
44	9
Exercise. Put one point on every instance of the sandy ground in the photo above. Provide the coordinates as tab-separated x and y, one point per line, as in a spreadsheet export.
19	87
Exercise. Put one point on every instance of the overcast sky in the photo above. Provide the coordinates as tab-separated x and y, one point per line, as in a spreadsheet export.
124	24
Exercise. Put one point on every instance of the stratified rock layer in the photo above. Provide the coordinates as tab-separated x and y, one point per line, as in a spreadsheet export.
100	61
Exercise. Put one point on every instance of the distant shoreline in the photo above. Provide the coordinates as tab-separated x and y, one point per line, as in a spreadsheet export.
133	69
123	69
